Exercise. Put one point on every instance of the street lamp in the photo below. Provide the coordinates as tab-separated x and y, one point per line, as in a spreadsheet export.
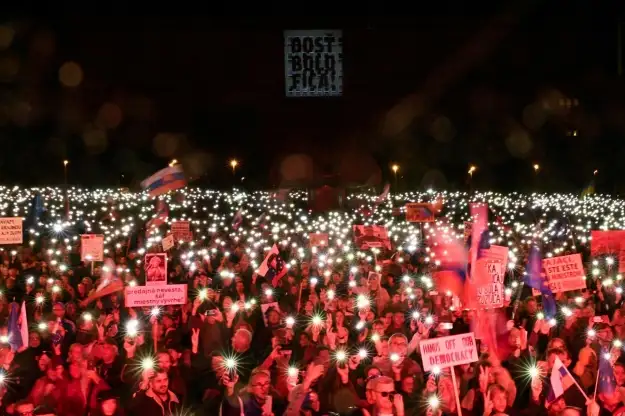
536	167
173	162
233	164
472	169
65	163
395	168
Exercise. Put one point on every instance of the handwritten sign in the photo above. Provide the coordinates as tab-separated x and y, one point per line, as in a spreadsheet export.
490	294
448	351
419	212
92	247
11	230
139	296
318	239
565	273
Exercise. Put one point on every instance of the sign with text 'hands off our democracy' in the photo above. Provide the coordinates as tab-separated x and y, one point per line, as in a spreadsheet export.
448	351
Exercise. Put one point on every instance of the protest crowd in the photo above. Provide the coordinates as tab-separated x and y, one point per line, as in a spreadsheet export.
237	303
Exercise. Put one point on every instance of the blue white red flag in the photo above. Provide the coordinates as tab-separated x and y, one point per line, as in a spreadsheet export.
165	180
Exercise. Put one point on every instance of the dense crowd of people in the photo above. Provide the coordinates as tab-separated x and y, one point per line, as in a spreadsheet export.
324	330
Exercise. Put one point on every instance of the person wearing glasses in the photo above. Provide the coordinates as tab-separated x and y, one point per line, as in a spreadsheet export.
255	400
382	397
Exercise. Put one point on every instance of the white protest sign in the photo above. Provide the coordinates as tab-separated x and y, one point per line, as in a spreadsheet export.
448	351
11	230
168	242
92	247
565	273
138	296
490	295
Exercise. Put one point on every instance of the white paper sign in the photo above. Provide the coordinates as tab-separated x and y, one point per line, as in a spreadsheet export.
168	242
565	273
92	247
448	351
497	253
491	294
138	296
11	230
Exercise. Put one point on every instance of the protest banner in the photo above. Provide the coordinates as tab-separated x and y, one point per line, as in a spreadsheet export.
318	239
155	267
139	296
11	230
490	294
565	273
313	63
91	247
419	212
181	231
367	237
448	351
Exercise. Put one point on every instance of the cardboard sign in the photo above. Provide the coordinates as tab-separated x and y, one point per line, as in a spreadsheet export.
139	296
168	242
155	267
11	230
91	247
419	212
490	294
448	351
565	273
318	239
181	231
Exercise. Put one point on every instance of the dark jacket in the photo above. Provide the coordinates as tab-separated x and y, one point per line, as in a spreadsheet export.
147	403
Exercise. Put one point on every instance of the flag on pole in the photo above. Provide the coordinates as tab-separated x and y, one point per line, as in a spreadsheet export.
165	180
18	326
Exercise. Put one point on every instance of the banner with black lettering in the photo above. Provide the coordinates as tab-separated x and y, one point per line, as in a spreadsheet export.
313	63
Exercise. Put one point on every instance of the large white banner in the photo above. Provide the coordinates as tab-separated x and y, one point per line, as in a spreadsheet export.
138	296
313	63
11	230
448	351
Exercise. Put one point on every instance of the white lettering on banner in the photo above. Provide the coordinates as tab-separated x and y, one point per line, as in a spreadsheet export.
448	351
565	273
313	63
11	230
92	247
138	296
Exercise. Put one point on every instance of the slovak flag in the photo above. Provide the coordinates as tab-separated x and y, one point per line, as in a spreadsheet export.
561	380
165	180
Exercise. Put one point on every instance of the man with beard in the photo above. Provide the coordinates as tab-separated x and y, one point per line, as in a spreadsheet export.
157	399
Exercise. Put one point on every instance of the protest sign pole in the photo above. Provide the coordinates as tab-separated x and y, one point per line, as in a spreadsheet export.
92	267
456	395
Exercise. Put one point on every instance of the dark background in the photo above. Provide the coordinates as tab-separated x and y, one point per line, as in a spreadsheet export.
434	89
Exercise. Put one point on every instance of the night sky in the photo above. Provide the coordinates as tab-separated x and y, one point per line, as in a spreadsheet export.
499	87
